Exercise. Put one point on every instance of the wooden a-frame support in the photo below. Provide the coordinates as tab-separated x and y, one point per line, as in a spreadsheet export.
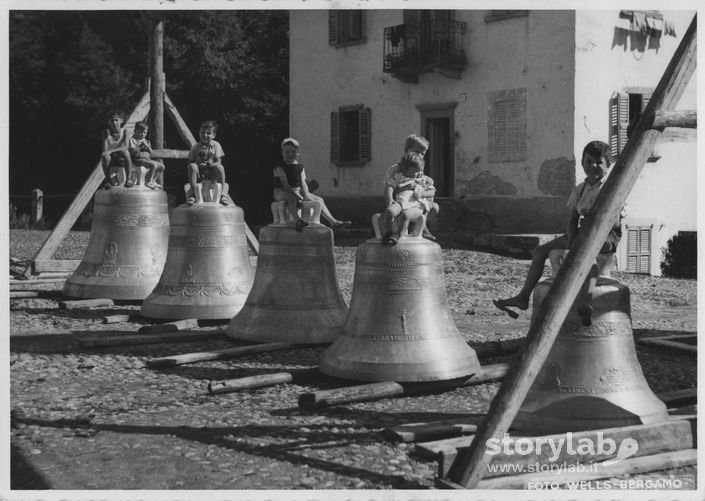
470	465
156	101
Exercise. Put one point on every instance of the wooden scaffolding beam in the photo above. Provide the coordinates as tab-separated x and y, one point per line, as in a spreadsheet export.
470	465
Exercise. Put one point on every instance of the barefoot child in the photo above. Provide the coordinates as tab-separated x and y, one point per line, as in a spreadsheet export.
141	155
291	187
595	162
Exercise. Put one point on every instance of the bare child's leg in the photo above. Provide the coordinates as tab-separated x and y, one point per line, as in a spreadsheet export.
220	178
129	173
387	224
291	201
585	296
406	217
193	174
538	261
325	212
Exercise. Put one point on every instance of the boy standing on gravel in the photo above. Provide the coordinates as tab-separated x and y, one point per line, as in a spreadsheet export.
596	162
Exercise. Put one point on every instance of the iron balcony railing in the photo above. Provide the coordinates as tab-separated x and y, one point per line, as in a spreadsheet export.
423	47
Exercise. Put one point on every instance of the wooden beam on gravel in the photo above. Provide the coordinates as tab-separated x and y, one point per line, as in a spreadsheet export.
435	430
202	356
53	265
23	294
673	435
115	319
670	342
176	325
262	380
386	389
85	303
135	339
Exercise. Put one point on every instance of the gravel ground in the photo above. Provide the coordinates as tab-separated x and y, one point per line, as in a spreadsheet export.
96	418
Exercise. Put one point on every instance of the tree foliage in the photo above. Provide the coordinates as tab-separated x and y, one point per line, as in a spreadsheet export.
69	69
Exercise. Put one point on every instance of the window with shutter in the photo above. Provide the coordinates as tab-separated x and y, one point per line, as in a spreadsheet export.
351	136
625	109
346	27
639	249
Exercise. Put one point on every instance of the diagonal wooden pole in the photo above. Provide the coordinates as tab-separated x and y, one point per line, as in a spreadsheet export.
471	463
84	196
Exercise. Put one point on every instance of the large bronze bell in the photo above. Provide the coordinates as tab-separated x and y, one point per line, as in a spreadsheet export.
207	274
295	297
399	327
127	246
592	378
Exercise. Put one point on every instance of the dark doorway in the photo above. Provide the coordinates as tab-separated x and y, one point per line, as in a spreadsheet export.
438	127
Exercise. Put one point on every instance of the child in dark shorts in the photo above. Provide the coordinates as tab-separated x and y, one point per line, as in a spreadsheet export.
596	161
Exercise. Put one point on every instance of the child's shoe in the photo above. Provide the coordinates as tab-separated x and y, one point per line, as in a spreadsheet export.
428	235
151	186
129	183
585	314
338	225
106	186
390	239
190	201
224	200
301	224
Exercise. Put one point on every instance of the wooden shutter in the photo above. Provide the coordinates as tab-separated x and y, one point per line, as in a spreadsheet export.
335	137
623	101
332	27
355	25
614	126
639	249
365	137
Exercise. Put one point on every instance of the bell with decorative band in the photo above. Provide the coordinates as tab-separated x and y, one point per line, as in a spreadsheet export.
295	297
207	274
399	327
592	378
127	246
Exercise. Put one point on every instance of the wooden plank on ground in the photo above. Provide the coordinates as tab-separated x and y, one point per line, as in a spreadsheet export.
386	389
177	325
629	466
85	303
189	358
23	294
262	380
49	265
670	342
135	339
672	435
34	280
435	430
114	319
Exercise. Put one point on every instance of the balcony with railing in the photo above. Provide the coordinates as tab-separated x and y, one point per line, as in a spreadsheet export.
433	46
